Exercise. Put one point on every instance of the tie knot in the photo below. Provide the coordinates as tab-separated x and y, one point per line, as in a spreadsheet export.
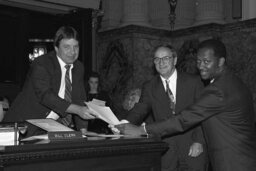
67	67
167	82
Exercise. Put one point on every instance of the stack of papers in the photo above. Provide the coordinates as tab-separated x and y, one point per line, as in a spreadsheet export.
36	137
94	134
103	112
49	125
98	102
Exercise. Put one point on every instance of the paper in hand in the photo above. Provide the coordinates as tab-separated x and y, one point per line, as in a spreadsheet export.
104	113
98	102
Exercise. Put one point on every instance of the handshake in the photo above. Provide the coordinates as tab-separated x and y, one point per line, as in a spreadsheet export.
126	128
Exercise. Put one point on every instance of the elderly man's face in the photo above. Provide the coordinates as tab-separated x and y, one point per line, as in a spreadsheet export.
68	50
164	62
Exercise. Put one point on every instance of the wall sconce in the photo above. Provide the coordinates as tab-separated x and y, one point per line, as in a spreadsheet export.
38	50
39	47
172	15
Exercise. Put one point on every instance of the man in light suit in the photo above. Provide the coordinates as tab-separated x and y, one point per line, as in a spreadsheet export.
225	109
185	149
43	92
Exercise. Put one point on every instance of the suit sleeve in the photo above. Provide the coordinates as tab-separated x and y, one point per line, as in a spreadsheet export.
41	80
142	108
210	103
197	134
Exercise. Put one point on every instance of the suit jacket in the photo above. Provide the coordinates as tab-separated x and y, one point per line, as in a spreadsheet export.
40	92
225	109
155	99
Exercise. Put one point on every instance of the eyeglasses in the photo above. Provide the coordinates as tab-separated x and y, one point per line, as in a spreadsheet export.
165	59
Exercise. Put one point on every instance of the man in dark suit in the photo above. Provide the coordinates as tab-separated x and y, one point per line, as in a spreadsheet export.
225	109
185	149
44	90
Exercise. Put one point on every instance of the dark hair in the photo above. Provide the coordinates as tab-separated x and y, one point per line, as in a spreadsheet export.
172	49
65	32
217	46
94	75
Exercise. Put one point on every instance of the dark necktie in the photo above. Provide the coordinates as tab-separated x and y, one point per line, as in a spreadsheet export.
170	96
68	90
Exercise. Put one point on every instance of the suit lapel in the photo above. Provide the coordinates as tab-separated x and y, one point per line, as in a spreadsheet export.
74	72
57	73
180	92
159	92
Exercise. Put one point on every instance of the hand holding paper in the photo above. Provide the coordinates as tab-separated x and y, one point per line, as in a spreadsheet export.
114	129
81	111
104	113
130	129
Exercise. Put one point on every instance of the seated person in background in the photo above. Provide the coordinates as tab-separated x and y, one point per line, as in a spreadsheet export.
54	87
4	106
94	91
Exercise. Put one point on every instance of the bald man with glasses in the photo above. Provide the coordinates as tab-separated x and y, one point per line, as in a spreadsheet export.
165	95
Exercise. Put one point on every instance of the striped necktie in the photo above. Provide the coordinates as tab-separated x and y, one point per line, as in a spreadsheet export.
68	90
170	96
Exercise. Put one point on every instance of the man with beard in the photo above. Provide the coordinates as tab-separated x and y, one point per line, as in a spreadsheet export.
225	109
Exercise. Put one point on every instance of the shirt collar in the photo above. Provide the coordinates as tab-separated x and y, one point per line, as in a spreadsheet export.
172	78
63	64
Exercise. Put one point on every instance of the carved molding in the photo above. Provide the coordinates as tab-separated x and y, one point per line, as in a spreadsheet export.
78	150
249	25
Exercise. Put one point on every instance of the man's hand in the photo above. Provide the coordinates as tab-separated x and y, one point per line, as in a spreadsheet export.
87	113
195	149
114	129
130	129
83	111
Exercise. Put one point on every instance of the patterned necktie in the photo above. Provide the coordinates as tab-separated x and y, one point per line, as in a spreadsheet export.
68	89
170	96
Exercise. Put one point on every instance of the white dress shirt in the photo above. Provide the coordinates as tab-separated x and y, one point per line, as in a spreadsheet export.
172	80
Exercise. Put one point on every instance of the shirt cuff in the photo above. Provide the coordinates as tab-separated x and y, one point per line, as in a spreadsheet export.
124	121
53	115
144	127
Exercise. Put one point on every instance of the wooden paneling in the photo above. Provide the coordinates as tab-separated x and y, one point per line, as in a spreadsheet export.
130	154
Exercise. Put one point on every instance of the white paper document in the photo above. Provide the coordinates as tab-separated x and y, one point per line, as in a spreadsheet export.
94	134
104	113
98	102
36	137
49	125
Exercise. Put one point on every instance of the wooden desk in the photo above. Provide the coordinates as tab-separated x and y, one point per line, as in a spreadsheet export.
126	154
